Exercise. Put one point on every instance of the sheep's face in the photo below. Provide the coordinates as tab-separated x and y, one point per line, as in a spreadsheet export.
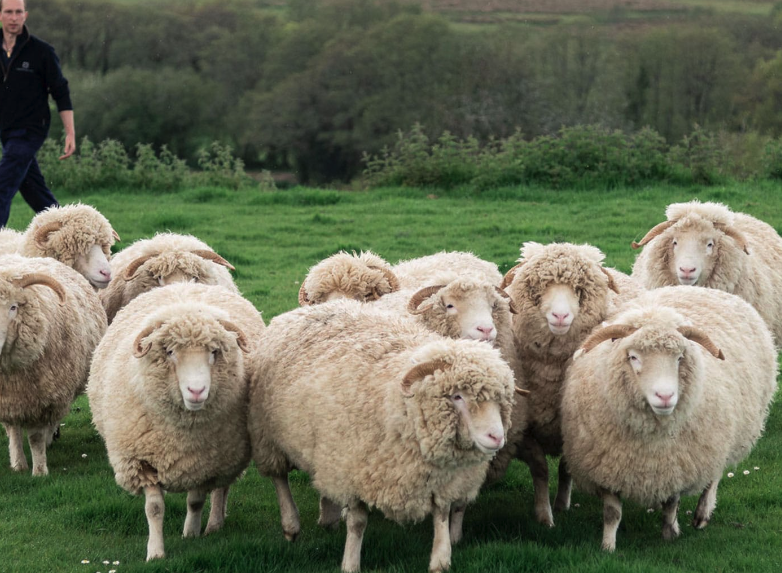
657	377
24	325
362	278
692	255
93	264
559	304
468	311
480	422
192	367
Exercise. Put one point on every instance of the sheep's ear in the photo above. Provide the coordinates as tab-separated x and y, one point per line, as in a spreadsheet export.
521	391
419	372
613	331
513	308
303	298
510	275
115	235
735	235
696	335
653	232
421	296
41	279
41	236
214	257
134	266
611	283
139	348
393	282
241	339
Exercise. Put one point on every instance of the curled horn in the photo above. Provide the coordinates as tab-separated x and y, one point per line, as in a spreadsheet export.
241	339
735	235
508	278
502	293
419	372
115	235
43	232
214	257
653	232
134	266
522	391
41	279
611	283
303	299
697	335
613	331
138	349
393	282
421	296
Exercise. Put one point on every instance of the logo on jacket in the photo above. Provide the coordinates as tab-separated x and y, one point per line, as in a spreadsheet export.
25	65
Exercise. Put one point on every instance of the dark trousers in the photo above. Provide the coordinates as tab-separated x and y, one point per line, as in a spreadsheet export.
19	171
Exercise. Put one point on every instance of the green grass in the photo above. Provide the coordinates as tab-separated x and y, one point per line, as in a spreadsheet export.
78	512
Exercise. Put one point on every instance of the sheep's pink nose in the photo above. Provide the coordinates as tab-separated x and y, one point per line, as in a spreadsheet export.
106	273
664	397
485	330
196	393
688	271
561	316
495	438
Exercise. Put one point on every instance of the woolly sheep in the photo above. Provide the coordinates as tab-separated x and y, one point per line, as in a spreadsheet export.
76	235
443	267
706	244
660	411
9	241
362	277
168	392
380	412
562	292
164	259
50	322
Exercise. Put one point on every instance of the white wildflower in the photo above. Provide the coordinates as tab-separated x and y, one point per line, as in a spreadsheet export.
576	505
84	455
115	563
688	512
746	472
650	510
85	561
756	468
105	562
730	474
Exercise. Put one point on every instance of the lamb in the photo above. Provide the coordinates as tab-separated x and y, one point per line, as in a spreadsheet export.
681	391
76	235
443	267
50	322
362	277
706	244
164	259
421	416
168	392
562	292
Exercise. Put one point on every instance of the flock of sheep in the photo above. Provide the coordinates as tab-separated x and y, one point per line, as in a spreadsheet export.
400	387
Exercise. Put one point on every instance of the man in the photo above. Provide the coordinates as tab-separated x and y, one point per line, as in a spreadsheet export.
31	71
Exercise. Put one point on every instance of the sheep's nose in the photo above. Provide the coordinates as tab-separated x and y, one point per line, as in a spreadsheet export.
485	330
196	393
665	398
688	271
561	316
106	273
496	438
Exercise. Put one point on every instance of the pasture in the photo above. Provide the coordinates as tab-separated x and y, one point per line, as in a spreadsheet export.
79	513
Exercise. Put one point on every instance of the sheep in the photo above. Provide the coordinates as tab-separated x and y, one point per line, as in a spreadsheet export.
681	391
362	277
562	292
443	267
47	336
706	244
168	393
76	235
9	241
164	259
380	412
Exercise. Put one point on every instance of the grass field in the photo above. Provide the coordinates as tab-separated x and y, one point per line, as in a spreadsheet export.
79	513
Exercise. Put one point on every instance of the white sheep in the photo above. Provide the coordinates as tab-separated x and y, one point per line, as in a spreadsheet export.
561	291
50	322
363	277
164	259
380	412
664	398
443	267
168	393
706	244
9	241
76	235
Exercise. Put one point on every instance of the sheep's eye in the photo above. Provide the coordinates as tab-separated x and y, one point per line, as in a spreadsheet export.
679	359
632	358
169	353
675	242
215	352
448	305
14	308
457	398
710	244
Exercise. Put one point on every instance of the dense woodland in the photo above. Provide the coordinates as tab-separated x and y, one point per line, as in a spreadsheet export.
309	86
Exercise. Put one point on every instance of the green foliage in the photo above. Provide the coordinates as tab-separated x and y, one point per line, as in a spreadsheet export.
701	156
772	159
220	168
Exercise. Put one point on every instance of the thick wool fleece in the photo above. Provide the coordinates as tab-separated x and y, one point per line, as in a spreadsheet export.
543	357
358	277
83	227
46	357
326	398
757	277
172	253
614	441
444	267
10	241
136	403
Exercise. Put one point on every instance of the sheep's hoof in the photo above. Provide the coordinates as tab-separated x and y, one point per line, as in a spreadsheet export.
330	525
156	554
44	471
608	547
441	566
22	467
291	535
545	517
700	522
671	531
561	505
211	528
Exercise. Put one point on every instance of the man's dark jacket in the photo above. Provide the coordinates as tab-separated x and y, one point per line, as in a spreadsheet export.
31	74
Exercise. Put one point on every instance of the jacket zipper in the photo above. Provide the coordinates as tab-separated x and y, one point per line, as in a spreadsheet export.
13	57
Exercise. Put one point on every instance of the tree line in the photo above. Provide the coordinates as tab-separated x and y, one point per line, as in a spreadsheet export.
312	86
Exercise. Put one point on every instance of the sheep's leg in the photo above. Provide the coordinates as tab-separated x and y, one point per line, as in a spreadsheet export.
612	515
53	434
16	448
195	506
441	548
532	454
457	519
562	501
670	522
357	523
154	507
706	505
330	513
37	439
289	513
218	509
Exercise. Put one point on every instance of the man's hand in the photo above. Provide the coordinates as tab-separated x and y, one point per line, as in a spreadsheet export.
70	146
